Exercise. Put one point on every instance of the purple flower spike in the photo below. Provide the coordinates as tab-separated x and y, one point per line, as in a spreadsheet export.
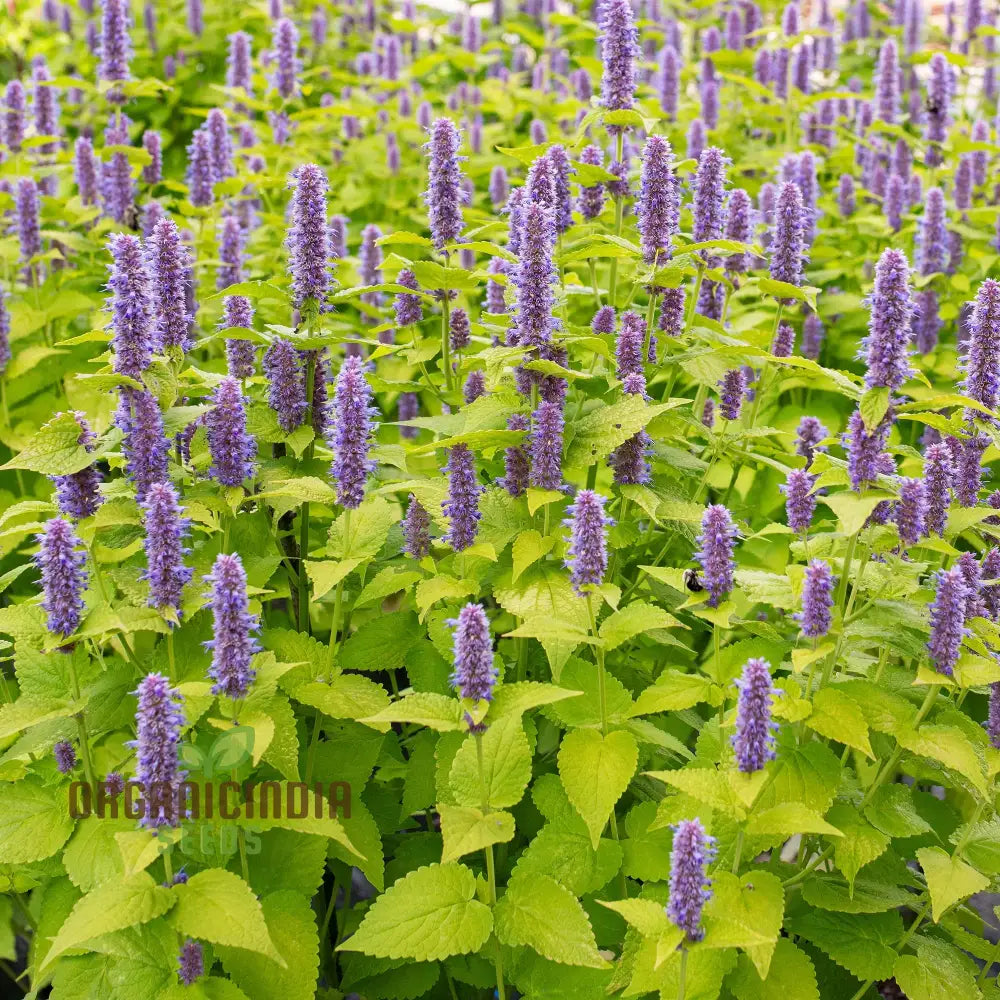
887	83
787	246
710	184
560	168
619	51
672	312
864	450
973	576
981	361
937	119
28	231
658	208
718	534
534	277
587	555
516	468
991	591
969	472
232	448
813	335
408	407
220	143
474	674
668	81
459	329
498	187
784	341
352	433
846	199
152	172
407	307
475	386
116	44
939	472
286	60
130	305
604	320
169	262
191	963
240	354
65	755
286	391
546	446
77	494
14	115
495	301
232	643
200	176
591	200
444	182
690	886
143	443
61	561
230	253
993	719
308	238
817	600
166	531
911	511
85	169
889	328
800	503
732	392
238	63
933	235
158	722
462	503
753	740
416	530
739	228
629	344
809	434
947	616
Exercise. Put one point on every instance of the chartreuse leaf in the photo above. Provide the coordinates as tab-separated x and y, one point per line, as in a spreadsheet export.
34	821
788	818
111	907
937	972
466	829
437	711
863	943
673	692
633	620
539	912
427	915
595	771
506	766
949	879
745	913
210	988
521	696
55	449
790	977
216	905
839	718
859	843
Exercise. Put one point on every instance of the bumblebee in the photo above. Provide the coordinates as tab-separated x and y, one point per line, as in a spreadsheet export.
692	582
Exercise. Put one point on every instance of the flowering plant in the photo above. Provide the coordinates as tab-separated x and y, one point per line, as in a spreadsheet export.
579	580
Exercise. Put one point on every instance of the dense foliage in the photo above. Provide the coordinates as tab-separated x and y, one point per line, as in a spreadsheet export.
559	439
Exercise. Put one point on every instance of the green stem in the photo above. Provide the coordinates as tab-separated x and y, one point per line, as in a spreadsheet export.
682	975
446	341
303	582
81	726
619	217
491	875
338	597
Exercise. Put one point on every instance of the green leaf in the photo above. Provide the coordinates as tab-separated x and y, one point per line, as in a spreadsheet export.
950	746
111	907
369	527
873	406
949	879
382	643
838	717
528	548
34	821
442	588
603	429
595	771
633	620
981	845
292	926
389	581
745	913
506	766
216	905
325	574
863	943
859	844
347	696
788	818
707	785
791	976
937	972
892	811
55	449
539	912
649	918
675	691
853	510
434	276
437	711
466	829
427	915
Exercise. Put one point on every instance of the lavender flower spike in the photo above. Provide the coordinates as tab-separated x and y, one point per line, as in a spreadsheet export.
233	449
169	262
817	600
286	391
939	472
864	450
130	304
444	182
232	643
546	446
710	182
200	174
286	61
158	722
619	51
407	307
889	328
352	433
718	533
474	673
166	530
587	555
237	311
690	886
144	445
462	503
65	755
800	504
733	387
534	277
77	494
911	511
982	359
308	239
787	247
190	963
658	208
947	615
416	530
753	740
61	561
116	44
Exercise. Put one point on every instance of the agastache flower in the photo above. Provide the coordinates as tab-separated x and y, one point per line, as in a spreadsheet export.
561	169
887	83
169	262
658	207
286	391
991	591
237	311
474	674
732	392
232	448
516	467
158	722
190	963
200	176
407	307
77	493
143	444
911	511
14	115
972	573
166	531
591	200
116	45
462	502
718	534
28	230
495	301
285	55
710	183
475	386
232	643
800	503
308	237
130	305
939	472
458	329
61	561
968	469
690	886
947	618
416	530
865	448
546	446
672	311
753	741
444	183
65	755
981	361
787	246
619	51
533	278
238	68
587	554
889	329
85	169
352	433
817	600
